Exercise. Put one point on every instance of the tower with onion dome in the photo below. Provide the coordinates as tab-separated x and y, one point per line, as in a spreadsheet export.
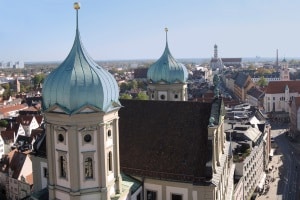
167	78
80	104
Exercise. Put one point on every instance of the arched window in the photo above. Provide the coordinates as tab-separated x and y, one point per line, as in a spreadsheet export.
88	168
110	161
63	165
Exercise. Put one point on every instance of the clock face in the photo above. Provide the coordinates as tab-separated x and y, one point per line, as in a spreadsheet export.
87	138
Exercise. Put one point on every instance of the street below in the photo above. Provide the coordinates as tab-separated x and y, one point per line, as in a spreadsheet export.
283	178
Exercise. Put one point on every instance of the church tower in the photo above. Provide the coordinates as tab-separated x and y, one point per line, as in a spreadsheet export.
167	78
215	52
80	103
284	71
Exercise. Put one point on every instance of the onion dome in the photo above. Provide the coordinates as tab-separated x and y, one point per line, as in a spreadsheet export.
167	69
79	82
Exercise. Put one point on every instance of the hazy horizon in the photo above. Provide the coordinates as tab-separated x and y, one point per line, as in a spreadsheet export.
118	30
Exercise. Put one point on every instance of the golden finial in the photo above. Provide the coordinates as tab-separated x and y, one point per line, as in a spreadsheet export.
76	5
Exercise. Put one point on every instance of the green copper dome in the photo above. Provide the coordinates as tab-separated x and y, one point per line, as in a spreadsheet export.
80	82
167	69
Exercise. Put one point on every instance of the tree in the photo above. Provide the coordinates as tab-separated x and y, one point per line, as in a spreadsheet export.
7	92
3	123
262	82
37	79
125	96
123	87
263	71
133	85
142	96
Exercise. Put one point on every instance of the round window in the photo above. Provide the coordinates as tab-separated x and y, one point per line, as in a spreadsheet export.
87	138
162	97
60	137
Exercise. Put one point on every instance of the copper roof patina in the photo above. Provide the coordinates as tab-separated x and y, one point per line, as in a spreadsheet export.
167	69
79	82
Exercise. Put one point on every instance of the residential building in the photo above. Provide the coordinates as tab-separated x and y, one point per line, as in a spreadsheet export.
249	135
19	176
279	94
295	117
275	76
11	110
242	85
255	97
28	122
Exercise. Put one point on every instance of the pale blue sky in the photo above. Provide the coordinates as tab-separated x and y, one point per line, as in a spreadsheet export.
43	30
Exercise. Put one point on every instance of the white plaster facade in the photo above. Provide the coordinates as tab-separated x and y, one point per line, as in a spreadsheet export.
279	102
168	92
83	155
18	188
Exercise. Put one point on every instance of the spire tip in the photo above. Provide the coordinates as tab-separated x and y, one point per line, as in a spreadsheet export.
76	5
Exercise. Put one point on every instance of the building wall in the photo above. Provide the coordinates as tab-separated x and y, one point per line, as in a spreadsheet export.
251	170
239	190
165	189
39	164
278	101
171	92
1	147
252	100
74	148
230	84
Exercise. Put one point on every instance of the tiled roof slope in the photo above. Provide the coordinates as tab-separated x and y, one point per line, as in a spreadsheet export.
240	79
17	163
276	87
165	140
255	92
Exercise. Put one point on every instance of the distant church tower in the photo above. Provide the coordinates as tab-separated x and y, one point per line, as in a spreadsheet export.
215	51
167	78
216	62
284	71
80	103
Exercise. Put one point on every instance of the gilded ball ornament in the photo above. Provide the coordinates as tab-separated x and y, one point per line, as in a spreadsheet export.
76	5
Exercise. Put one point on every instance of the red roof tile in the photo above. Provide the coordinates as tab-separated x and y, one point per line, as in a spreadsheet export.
7	109
276	87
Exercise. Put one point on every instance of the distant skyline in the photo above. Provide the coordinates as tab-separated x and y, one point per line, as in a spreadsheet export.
44	30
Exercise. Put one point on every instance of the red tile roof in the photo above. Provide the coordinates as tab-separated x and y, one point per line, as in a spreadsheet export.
276	87
24	120
7	136
39	118
7	109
